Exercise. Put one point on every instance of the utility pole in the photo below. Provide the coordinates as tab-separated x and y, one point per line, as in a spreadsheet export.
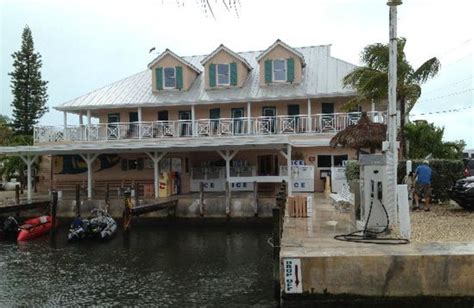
391	145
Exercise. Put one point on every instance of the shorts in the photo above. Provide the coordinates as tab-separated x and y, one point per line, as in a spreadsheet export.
423	189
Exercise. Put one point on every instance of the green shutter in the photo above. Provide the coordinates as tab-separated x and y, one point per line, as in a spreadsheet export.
159	78
290	70
212	75
233	74
179	77
268	71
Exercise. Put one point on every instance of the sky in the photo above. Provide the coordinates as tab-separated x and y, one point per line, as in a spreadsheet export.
86	44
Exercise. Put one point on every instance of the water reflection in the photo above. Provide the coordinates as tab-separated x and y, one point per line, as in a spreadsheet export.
160	266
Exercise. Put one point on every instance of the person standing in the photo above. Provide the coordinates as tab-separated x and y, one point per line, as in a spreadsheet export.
423	175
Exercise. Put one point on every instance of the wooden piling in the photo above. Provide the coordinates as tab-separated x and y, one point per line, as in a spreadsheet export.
227	199
136	187
127	211
276	237
107	197
17	194
201	198
78	199
53	210
255	198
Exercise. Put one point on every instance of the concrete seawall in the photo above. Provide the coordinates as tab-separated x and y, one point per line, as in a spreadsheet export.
188	207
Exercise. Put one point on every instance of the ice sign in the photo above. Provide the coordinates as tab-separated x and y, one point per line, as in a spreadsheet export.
292	276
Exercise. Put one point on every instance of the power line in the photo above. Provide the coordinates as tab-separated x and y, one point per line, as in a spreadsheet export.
442	111
448	85
447	95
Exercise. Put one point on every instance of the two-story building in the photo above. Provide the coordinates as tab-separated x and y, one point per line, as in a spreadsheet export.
226	117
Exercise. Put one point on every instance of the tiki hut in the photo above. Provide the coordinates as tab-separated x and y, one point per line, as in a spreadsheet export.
363	135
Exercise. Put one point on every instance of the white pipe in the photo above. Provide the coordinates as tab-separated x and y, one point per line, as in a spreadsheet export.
140	122
309	128
193	119
288	162
249	118
156	166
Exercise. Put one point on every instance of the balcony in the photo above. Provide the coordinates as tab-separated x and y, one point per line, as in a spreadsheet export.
202	128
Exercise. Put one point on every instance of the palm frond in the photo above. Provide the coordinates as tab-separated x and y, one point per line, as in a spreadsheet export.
427	70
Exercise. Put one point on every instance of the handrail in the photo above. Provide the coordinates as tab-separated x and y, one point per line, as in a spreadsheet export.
201	128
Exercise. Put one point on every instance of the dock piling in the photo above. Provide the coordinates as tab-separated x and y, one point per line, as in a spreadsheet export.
255	197
17	194
54	206
78	199
136	188
201	198
227	199
127	211
276	211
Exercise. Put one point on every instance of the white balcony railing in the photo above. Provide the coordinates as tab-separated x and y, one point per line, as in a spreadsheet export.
201	128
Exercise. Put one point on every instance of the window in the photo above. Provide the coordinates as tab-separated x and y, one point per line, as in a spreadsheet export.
223	78
279	70
169	76
324	161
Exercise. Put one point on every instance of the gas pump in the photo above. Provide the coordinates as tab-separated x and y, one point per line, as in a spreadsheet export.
373	185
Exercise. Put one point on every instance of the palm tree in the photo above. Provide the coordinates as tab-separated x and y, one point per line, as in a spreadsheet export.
371	80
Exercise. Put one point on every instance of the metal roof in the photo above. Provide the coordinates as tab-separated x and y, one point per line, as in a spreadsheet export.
170	145
322	77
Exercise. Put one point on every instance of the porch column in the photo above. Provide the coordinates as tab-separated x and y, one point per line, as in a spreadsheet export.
309	126
156	157
65	125
88	124
193	120
81	127
227	156
140	122
288	164
65	120
89	159
29	160
249	120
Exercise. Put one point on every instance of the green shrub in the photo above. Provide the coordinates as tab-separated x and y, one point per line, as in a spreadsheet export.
352	170
445	173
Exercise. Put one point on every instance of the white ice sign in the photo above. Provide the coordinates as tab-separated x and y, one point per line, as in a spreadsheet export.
293	281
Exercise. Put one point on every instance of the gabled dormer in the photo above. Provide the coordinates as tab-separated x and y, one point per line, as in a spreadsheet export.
171	72
225	68
280	63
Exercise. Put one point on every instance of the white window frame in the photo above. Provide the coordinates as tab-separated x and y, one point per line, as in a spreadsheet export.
273	70
217	75
164	77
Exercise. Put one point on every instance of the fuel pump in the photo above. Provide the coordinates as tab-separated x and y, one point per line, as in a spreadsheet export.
373	185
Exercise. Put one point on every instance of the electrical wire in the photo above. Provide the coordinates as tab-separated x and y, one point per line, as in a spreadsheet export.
368	236
442	111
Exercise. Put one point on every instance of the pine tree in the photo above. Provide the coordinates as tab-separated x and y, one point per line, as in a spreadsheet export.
28	88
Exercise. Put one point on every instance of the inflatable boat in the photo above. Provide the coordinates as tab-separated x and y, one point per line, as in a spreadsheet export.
100	226
34	227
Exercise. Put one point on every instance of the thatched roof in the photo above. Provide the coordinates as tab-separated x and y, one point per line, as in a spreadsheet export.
364	134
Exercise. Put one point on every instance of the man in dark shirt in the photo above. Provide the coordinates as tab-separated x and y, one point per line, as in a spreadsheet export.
423	184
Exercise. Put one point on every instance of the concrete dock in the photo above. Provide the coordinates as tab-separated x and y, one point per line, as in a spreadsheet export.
330	270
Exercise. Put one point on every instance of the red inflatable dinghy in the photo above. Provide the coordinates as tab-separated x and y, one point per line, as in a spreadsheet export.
34	227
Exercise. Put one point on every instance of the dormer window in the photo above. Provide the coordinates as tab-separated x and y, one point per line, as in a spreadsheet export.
169	76
223	72
279	70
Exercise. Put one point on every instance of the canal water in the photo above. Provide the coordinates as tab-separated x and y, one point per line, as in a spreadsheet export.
155	266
